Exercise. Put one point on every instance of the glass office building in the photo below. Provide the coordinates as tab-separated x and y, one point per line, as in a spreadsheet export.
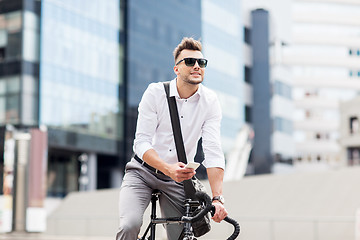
223	46
154	29
80	80
62	67
19	67
78	69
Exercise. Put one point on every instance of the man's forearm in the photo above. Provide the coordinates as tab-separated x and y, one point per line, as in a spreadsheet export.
152	158
216	176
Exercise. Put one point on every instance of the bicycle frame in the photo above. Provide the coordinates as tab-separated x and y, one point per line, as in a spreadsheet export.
187	233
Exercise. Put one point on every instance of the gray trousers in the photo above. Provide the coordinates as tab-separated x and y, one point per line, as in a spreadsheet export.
135	196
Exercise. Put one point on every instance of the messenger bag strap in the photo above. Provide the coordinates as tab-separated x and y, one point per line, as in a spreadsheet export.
179	143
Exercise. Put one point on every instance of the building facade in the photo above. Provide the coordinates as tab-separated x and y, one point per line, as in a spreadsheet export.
222	40
60	62
268	95
325	60
79	90
78	69
153	30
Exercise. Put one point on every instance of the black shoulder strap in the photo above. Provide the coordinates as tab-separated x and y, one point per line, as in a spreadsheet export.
179	143
175	123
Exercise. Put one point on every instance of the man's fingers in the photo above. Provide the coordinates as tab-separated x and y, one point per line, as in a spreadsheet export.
181	176
220	212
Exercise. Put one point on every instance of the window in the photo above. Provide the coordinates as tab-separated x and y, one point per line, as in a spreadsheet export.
282	89
283	125
353	156
2	54
247	74
247	37
311	93
248	114
354	125
354	52
13	49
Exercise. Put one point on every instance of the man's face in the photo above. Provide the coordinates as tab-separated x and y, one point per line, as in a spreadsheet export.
189	74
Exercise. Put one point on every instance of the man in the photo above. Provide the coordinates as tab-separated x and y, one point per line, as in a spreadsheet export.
155	165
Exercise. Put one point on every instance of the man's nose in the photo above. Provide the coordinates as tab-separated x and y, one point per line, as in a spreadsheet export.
196	65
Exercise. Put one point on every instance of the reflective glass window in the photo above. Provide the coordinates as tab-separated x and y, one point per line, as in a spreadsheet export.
13	21
80	73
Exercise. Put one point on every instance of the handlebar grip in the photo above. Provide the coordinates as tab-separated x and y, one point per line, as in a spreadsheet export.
236	228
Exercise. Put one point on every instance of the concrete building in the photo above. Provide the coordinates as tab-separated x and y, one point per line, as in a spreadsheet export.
325	58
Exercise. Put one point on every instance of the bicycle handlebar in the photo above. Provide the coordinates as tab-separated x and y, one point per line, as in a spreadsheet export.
202	196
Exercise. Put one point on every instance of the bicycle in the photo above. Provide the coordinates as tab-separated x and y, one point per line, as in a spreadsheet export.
187	219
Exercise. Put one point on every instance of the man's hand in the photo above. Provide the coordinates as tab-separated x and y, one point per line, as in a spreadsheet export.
220	212
176	171
179	173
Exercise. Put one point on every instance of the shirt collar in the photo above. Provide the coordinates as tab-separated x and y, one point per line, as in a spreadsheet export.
174	92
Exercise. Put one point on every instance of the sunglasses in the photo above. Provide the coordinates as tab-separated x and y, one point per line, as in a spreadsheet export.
190	62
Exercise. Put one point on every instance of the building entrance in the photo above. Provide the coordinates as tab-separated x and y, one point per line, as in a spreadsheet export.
63	172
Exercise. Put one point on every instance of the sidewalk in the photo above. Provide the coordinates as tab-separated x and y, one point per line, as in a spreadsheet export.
42	236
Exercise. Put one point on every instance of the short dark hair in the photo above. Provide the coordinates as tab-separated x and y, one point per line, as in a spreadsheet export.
187	43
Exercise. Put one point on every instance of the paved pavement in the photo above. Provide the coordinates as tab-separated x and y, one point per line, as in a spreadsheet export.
42	236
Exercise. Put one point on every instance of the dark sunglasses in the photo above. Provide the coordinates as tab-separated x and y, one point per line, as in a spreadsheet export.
190	62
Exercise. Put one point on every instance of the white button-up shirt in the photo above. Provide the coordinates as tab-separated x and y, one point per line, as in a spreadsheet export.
200	116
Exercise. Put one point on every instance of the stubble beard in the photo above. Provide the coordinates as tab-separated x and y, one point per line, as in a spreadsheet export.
193	82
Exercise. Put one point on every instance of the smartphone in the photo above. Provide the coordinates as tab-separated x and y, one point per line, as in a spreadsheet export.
193	165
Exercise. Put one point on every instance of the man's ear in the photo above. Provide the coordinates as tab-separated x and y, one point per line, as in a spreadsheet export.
176	70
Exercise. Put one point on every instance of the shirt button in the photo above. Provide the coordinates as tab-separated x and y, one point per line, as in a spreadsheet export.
186	100
182	116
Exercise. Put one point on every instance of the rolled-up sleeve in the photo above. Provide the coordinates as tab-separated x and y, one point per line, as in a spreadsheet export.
146	122
211	140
